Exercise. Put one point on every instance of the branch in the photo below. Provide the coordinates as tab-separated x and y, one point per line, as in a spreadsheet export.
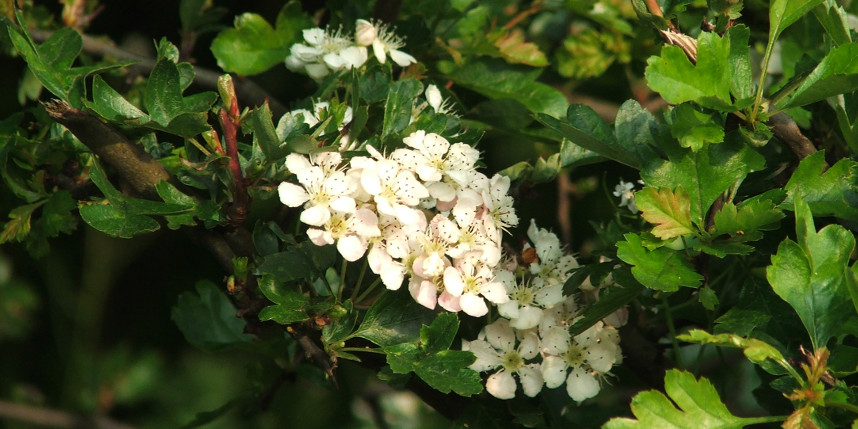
786	130
48	417
135	166
248	91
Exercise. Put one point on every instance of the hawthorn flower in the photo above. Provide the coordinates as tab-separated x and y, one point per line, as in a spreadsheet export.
498	206
325	188
383	41
394	189
350	232
625	190
438	103
471	281
551	265
578	361
325	51
496	349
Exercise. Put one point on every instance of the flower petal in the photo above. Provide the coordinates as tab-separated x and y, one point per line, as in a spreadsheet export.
501	385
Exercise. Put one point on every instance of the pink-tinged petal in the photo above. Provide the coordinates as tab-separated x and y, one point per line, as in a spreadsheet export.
292	195
351	247
500	335
501	385
449	302
453	282
424	292
553	371
320	237
531	379
366	223
473	305
377	257
581	385
316	215
365	32
487	357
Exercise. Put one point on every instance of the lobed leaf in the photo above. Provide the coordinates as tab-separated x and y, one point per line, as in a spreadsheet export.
668	210
661	269
208	319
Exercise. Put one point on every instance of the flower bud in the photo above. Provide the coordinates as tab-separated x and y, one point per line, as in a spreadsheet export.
365	32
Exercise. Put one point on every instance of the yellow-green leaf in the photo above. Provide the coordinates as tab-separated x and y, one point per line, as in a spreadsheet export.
669	211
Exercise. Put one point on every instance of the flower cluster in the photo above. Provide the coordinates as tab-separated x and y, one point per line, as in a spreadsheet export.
327	50
422	215
531	340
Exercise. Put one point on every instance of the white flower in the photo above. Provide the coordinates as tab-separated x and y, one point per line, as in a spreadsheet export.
471	281
383	42
326	50
395	190
625	190
578	361
498	350
324	187
498	206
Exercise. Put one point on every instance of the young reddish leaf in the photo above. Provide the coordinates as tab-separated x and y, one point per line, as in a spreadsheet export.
668	210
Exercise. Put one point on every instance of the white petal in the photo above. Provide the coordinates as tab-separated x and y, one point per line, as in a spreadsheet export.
316	215
555	340
494	292
433	96
509	309
424	292
351	247
531	379
343	205
320	237
292	195
365	32
553	371
500	335
528	317
550	296
501	385
529	346
581	385
392	275
378	50
401	58
297	163
487	357
453	282
473	305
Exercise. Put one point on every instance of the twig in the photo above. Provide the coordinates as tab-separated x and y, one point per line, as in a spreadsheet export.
135	166
248	91
314	352
229	122
786	130
54	418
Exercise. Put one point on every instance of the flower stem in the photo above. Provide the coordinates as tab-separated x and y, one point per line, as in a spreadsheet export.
360	280
368	290
668	317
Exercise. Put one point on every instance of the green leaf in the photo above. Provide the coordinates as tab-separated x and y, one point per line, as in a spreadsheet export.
442	369
123	216
495	78
18	226
668	210
809	275
705	174
695	129
298	262
163	92
111	105
290	306
208	319
742	85
392	319
783	13
253	46
832	192
747	221
398	109
834	20
51	61
264	134
837	73
697	405
516	50
708	82
661	269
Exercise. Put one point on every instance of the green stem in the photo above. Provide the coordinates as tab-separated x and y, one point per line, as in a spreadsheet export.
328	285
672	329
758	98
360	280
342	280
849	407
368	290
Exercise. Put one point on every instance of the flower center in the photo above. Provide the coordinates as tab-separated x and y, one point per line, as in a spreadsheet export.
574	356
512	361
523	295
